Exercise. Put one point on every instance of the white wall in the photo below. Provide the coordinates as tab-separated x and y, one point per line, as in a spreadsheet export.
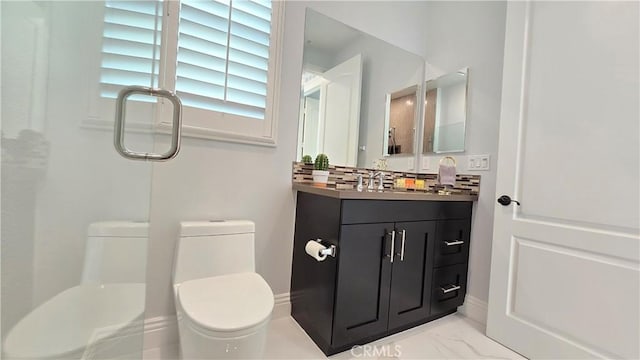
461	34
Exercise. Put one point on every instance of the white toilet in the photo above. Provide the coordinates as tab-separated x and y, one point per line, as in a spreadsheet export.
223	306
100	318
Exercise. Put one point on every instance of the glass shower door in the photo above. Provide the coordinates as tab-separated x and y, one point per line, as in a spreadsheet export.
75	213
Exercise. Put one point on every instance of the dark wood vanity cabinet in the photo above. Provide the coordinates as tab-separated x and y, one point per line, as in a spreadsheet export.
398	264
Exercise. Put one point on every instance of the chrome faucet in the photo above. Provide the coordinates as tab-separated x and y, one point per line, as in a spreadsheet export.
359	177
372	180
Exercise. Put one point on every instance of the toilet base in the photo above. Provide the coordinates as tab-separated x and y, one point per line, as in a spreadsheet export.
196	345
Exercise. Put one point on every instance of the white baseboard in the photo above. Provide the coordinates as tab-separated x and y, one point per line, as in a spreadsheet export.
282	307
474	309
161	333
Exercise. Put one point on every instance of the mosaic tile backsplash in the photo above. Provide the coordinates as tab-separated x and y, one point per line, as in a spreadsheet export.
346	177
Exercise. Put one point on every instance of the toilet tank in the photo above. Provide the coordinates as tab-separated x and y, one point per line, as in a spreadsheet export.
116	252
213	248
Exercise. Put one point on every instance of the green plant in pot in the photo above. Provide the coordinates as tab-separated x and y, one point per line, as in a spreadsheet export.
307	159
321	170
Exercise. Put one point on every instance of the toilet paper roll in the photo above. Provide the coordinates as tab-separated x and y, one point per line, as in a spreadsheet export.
313	249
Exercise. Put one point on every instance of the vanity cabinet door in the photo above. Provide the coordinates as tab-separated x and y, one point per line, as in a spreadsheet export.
362	294
411	273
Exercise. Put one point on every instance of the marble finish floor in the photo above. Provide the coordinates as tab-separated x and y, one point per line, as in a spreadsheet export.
451	337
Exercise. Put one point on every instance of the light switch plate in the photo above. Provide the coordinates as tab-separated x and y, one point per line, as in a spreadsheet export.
410	163
426	163
479	162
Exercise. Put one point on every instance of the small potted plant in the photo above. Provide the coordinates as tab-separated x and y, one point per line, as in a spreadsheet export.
307	159
321	170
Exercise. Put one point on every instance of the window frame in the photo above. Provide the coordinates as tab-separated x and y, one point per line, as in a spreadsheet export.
202	123
213	125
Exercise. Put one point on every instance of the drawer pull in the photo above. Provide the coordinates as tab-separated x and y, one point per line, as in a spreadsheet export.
450	289
454	243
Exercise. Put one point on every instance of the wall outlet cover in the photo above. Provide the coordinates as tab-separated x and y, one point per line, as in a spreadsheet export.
426	163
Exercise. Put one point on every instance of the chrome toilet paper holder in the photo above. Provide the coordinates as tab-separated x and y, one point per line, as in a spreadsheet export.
331	250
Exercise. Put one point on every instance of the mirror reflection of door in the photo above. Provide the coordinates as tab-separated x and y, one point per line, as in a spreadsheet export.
310	119
330	113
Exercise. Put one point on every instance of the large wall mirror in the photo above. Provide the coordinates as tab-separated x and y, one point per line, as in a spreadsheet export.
445	113
347	79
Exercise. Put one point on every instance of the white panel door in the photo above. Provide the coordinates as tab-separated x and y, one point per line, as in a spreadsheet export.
565	274
341	111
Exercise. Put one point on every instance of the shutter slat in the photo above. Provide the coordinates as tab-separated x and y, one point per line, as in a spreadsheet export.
128	63
254	87
246	32
143	7
216	8
204	18
244	58
249	46
189	57
202	46
130	33
126	78
248	20
248	72
117	16
201	74
206	103
116	46
243	97
202	32
192	86
254	9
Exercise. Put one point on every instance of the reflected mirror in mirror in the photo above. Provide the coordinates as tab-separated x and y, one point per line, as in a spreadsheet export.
347	76
445	113
401	111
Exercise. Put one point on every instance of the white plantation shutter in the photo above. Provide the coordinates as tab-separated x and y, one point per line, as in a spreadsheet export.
130	46
223	56
220	56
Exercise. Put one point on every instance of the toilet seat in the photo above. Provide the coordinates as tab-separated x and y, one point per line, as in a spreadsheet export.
226	306
51	330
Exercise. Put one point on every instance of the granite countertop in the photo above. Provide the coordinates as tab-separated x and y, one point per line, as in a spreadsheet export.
384	195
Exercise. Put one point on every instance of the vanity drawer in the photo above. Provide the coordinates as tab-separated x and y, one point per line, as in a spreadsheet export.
452	242
449	288
376	211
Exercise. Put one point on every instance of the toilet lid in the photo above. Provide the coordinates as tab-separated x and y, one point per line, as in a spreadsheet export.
227	303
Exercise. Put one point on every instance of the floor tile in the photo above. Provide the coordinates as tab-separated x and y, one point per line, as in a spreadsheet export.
452	337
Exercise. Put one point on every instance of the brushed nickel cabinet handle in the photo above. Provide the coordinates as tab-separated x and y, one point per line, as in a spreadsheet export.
450	289
393	245
454	243
404	233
